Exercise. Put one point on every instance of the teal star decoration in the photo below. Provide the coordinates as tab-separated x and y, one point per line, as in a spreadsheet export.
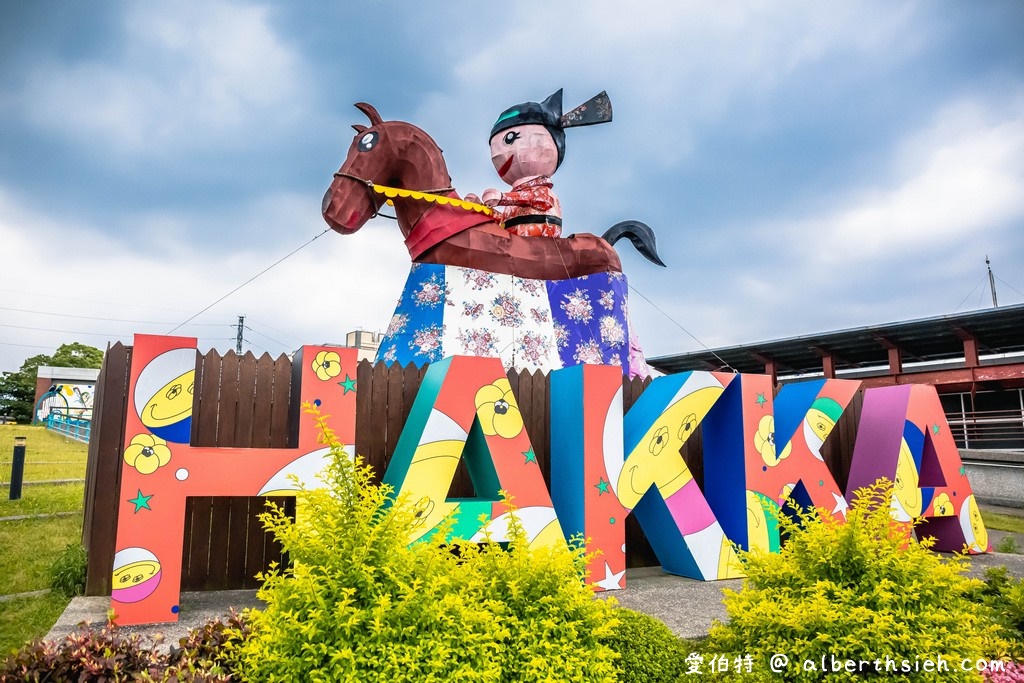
349	384
601	486
530	456
140	501
935	429
963	471
760	400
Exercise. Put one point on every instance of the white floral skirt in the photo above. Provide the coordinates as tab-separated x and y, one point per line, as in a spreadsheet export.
529	324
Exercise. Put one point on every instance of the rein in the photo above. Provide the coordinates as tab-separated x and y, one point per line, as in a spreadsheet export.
431	196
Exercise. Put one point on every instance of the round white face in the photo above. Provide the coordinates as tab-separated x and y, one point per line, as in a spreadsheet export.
523	151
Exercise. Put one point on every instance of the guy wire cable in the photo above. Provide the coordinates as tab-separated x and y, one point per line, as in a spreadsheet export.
286	256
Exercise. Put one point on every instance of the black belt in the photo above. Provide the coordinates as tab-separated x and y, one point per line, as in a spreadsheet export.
533	218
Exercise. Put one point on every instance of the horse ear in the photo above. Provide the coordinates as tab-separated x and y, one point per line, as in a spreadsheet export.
359	128
370	112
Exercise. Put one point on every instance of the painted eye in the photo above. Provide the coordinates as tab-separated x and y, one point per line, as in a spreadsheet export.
368	141
511	137
173	392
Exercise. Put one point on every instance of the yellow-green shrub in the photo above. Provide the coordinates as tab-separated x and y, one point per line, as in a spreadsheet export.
359	604
854	591
1002	597
648	651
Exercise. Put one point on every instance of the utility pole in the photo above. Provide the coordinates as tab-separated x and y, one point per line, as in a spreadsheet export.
238	339
991	282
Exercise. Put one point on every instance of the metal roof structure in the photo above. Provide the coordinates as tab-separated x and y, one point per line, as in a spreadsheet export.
995	331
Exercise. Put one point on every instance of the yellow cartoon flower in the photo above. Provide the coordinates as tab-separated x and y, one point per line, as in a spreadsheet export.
658	441
146	453
764	442
327	365
498	411
688	426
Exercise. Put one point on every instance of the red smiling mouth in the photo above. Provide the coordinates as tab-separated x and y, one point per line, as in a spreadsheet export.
505	166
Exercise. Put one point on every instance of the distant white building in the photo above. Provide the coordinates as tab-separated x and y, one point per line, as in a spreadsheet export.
366	342
64	388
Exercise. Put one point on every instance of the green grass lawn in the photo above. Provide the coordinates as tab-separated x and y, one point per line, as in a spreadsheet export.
25	619
30	546
1001	522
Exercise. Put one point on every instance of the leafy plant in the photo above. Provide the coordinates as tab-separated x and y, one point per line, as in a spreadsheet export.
360	603
1012	672
202	654
648	651
111	654
1007	545
67	573
1002	597
855	591
88	654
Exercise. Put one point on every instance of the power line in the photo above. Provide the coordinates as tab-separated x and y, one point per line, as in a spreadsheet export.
46	329
61	297
1009	285
969	293
267	336
706	348
287	334
251	343
286	256
28	346
111	320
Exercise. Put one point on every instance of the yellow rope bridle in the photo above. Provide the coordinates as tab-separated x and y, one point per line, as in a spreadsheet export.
393	192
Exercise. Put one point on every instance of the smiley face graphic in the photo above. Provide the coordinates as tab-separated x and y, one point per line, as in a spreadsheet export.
975	532
819	422
163	395
907	501
136	575
656	461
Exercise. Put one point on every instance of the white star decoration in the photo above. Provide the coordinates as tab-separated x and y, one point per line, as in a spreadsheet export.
611	580
841	504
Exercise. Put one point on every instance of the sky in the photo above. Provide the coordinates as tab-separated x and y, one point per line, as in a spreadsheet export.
806	166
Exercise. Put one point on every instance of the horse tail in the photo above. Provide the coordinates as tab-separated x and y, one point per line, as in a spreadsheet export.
640	234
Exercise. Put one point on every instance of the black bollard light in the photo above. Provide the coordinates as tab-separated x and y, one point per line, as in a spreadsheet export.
17	468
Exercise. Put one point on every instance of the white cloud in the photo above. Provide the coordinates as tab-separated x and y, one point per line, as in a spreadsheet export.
187	76
957	179
909	244
330	287
673	66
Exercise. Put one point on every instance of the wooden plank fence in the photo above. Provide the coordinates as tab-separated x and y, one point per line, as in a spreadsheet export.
249	402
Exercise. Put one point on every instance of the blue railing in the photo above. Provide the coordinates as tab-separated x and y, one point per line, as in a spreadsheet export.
75	423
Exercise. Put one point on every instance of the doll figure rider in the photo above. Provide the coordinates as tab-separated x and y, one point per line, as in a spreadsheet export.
527	147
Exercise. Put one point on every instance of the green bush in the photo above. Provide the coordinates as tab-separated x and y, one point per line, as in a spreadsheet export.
855	591
1007	545
201	655
648	651
360	604
67	573
1002	597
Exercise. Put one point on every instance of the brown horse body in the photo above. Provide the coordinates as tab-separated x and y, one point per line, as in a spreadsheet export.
399	154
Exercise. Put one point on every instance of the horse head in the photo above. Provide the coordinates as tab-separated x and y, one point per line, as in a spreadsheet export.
390	153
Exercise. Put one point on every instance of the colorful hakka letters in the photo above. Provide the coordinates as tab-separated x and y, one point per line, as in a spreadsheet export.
604	465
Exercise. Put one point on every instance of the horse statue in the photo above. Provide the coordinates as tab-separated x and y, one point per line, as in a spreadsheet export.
474	288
